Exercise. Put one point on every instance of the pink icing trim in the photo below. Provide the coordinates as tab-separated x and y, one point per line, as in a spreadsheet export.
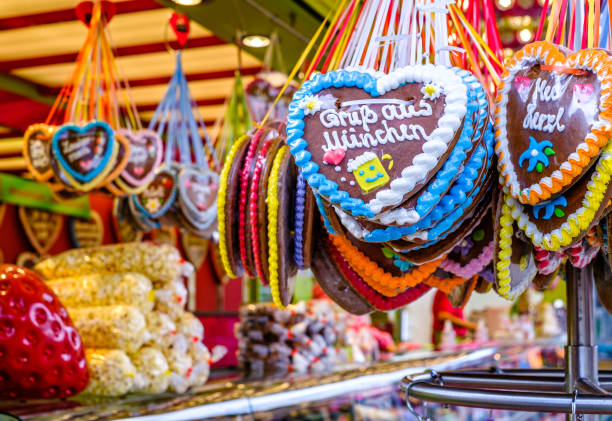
472	267
244	188
253	210
582	256
547	261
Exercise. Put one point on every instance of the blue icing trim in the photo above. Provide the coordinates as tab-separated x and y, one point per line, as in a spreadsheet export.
295	131
110	145
441	218
476	103
326	222
403	265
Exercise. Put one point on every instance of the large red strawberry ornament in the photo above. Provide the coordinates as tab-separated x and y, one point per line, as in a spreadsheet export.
41	353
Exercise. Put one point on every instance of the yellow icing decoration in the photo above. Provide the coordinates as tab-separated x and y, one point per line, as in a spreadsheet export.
272	201
223	251
371	175
505	249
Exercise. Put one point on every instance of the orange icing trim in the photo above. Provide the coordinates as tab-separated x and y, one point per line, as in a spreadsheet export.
375	276
444	285
597	61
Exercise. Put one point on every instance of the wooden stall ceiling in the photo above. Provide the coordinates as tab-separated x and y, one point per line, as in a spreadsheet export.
39	40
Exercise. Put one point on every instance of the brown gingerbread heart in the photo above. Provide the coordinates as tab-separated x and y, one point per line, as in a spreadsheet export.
87	232
41	227
553	117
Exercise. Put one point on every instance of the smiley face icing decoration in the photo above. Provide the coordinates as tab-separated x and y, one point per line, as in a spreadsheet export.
553	117
367	143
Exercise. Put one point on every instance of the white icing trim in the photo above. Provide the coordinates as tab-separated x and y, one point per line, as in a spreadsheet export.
351	225
455	91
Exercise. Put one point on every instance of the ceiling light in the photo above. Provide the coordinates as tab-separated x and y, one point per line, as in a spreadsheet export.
525	35
255	41
187	2
505	4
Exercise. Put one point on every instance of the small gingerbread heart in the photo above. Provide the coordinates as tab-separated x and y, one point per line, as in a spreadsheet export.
41	227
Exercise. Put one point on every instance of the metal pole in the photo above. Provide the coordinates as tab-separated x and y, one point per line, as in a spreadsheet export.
581	352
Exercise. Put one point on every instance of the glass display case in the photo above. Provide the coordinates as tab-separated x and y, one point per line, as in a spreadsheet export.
349	393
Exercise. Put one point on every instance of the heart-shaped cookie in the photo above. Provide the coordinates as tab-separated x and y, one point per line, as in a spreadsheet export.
474	252
41	227
198	196
158	196
553	117
396	131
261	92
85	154
513	260
86	232
36	141
144	159
194	247
124	229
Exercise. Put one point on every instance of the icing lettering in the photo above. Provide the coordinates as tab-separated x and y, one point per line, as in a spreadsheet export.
38	154
154	192
544	92
138	154
361	118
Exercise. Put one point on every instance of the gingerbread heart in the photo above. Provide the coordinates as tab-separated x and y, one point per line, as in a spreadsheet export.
396	131
160	194
145	157
86	232
194	247
474	252
198	195
553	118
36	140
124	229
85	154
261	92
41	227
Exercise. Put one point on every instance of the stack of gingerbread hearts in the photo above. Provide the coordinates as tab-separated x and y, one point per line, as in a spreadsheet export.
401	169
92	138
553	125
182	191
265	212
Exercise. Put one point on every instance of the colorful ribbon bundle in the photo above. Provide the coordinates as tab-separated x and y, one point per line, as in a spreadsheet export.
183	191
553	130
91	138
394	149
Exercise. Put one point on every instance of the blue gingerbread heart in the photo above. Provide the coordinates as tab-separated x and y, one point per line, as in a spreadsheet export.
84	152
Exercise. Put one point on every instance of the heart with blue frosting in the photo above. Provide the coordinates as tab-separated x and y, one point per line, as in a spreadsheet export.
366	143
85	153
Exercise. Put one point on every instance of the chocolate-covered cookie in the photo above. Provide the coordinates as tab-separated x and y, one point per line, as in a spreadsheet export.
281	195
369	143
552	118
514	263
227	208
332	281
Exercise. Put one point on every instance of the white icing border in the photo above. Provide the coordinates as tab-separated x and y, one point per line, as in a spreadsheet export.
455	108
505	166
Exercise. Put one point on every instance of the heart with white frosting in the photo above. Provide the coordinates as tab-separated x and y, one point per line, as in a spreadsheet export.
553	117
395	130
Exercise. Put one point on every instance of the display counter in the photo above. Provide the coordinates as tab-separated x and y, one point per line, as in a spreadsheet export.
233	397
